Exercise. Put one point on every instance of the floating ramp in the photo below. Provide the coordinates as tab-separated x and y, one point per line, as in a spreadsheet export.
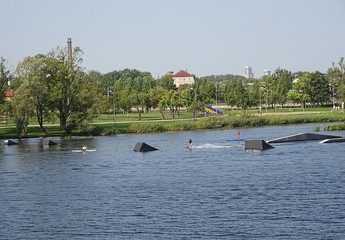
143	147
257	145
302	137
333	140
10	142
48	142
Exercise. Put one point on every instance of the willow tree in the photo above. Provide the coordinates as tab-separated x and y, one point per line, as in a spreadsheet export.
33	89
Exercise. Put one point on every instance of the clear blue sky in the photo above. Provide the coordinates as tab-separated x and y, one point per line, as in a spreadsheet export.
203	36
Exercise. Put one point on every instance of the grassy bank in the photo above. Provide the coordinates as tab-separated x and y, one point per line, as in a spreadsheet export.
230	122
152	123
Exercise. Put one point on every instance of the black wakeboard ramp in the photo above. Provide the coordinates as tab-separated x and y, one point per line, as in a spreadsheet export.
10	142
257	145
143	147
48	142
333	140
302	137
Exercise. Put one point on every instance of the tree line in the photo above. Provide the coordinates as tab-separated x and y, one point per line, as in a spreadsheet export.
53	88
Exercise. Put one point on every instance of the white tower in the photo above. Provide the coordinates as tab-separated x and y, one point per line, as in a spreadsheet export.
248	73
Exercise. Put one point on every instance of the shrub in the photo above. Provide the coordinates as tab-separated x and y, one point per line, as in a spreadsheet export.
146	128
182	126
335	128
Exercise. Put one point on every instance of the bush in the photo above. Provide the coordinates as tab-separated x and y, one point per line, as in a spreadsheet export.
182	126
146	128
213	122
109	131
335	128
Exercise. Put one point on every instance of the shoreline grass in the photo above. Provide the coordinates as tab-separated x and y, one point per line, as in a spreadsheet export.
153	123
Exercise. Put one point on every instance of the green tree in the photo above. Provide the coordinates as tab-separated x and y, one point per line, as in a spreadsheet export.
23	106
336	77
66	80
207	91
300	95
282	83
236	94
5	77
124	99
32	77
163	102
86	105
268	90
230	93
166	82
318	89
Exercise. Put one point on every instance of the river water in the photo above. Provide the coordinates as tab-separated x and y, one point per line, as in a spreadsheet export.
217	190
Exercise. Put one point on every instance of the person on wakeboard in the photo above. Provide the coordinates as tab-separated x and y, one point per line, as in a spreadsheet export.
190	143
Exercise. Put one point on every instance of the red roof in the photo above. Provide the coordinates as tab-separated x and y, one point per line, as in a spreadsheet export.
9	93
183	73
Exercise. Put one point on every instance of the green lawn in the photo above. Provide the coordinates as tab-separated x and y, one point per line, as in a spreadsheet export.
105	121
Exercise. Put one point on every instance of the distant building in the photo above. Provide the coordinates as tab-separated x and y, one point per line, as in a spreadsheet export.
248	73
267	73
183	77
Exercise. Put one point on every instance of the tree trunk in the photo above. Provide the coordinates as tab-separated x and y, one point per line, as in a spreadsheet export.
39	114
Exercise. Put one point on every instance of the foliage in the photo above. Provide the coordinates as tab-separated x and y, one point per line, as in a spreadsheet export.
5	77
300	92
316	129
182	126
166	82
335	128
336	78
141	127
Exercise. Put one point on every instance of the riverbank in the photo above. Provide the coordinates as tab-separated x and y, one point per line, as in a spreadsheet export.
105	128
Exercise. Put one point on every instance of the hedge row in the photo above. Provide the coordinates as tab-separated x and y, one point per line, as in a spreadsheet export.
224	122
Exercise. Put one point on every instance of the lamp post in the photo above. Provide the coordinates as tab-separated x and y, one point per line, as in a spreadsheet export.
114	113
217	98
259	100
194	110
333	96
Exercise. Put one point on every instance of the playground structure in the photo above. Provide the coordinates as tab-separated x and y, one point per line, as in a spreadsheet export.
209	110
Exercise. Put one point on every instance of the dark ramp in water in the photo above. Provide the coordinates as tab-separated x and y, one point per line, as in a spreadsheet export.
143	147
302	137
333	140
48	142
257	145
10	142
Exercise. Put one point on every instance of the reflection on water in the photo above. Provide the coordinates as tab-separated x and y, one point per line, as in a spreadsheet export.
214	191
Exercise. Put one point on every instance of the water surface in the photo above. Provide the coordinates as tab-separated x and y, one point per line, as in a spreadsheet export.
217	190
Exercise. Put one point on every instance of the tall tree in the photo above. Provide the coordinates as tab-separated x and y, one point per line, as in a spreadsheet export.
280	84
5	77
65	80
230	93
336	77
167	82
318	89
23	108
32	76
300	95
